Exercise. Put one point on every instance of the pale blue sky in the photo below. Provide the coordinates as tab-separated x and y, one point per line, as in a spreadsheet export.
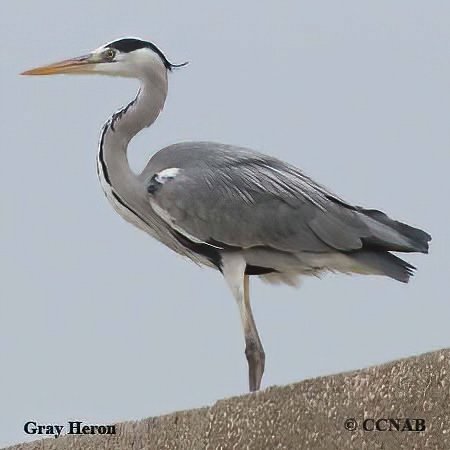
101	323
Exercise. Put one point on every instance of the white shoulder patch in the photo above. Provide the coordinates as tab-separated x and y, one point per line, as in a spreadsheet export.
167	174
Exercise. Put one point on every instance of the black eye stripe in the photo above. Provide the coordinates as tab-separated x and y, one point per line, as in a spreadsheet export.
128	45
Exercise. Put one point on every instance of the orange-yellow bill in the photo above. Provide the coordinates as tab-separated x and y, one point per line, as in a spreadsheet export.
81	64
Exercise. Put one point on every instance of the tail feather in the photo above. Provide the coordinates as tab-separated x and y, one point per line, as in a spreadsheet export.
385	263
418	238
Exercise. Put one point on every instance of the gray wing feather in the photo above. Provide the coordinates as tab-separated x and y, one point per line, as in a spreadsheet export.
242	198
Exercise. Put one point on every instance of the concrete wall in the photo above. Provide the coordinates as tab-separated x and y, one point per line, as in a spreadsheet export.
311	414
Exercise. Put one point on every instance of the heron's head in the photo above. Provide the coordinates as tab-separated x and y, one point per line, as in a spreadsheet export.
126	57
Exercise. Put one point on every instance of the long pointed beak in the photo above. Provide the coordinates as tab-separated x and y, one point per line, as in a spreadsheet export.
80	64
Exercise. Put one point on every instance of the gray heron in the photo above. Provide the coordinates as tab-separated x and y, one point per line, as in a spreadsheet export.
230	208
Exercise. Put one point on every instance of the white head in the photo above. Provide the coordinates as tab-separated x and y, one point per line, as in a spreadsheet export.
126	57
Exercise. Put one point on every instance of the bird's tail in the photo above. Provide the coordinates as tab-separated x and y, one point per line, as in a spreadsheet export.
389	235
416	239
384	263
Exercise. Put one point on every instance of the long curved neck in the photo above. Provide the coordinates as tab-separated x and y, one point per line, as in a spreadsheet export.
140	112
113	169
126	192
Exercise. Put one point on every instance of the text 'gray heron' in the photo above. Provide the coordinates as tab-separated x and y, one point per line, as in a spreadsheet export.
230	208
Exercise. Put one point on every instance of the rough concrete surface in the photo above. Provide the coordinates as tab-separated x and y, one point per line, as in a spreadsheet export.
306	415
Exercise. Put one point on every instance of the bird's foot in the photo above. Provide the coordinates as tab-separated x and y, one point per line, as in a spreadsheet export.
256	361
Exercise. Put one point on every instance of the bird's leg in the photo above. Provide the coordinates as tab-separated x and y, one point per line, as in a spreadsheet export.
254	350
233	269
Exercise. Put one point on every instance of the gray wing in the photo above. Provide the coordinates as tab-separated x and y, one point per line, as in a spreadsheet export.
228	196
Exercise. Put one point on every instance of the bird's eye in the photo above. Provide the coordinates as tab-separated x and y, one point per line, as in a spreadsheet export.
110	54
